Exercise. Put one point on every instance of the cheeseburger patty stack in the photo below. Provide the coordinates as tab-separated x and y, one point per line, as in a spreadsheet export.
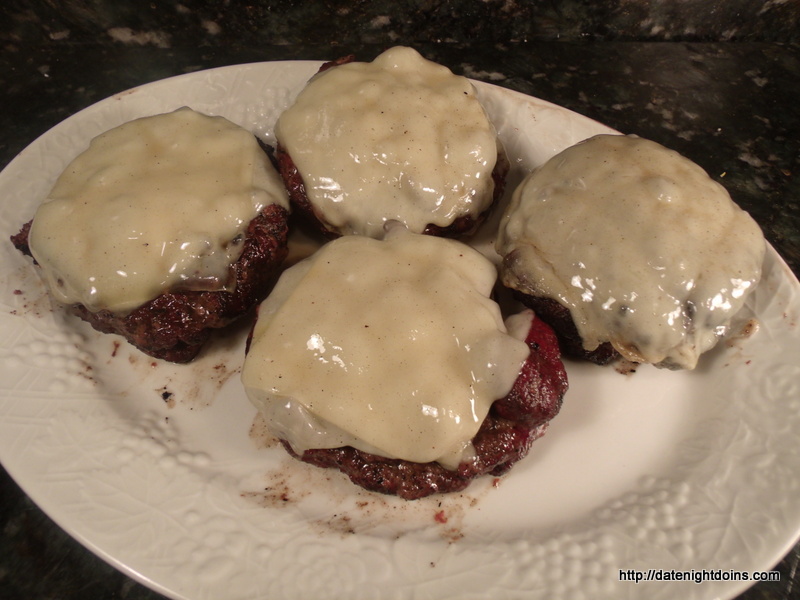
400	139
628	248
389	361
165	228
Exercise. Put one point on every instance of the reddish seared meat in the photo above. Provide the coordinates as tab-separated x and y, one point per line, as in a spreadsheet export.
559	318
505	437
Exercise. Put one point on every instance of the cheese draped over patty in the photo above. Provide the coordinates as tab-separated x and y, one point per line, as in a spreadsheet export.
392	347
645	250
398	139
157	204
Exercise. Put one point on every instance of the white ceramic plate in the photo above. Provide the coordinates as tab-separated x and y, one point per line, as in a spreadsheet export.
165	472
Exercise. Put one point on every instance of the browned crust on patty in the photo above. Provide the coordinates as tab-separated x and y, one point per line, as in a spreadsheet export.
523	288
560	319
504	438
175	325
461	226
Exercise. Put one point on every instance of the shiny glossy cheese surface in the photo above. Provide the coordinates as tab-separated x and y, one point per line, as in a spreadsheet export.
156	204
638	242
398	139
393	347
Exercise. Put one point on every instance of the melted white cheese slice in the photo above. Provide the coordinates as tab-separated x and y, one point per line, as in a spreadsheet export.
398	139
152	205
393	347
638	242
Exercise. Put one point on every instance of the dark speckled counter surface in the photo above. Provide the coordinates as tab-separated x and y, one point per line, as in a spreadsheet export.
719	82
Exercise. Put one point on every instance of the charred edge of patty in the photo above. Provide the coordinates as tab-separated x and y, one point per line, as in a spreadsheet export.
504	438
461	226
560	319
20	240
342	60
175	325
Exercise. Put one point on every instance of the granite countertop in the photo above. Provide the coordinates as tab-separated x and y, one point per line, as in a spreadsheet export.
724	97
